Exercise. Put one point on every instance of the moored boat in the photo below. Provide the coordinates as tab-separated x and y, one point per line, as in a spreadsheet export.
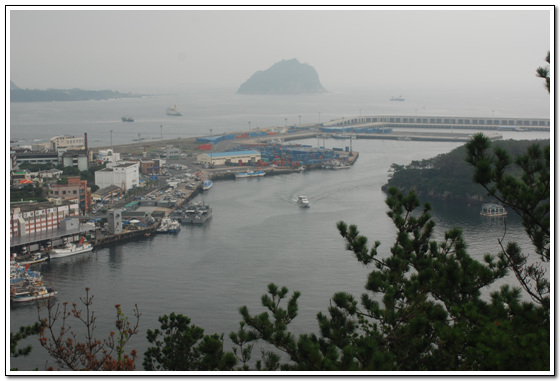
72	249
493	210
37	257
164	226
207	184
257	173
32	293
174	227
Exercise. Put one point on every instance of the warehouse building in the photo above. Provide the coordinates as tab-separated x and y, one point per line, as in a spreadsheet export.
229	158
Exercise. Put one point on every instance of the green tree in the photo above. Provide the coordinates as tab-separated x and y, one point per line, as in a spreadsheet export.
544	72
422	311
528	195
180	346
15	338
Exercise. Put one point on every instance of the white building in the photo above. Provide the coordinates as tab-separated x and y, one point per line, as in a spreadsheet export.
222	158
125	176
109	157
66	141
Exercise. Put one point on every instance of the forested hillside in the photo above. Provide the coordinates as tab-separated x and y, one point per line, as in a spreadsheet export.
448	176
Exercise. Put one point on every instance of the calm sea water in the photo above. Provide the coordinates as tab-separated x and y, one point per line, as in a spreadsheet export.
257	235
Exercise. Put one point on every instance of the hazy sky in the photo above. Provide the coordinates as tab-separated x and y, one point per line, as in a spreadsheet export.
127	48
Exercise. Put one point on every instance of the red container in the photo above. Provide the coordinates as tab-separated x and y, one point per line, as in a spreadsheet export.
205	147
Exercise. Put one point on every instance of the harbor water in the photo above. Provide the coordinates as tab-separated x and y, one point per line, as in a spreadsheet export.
257	235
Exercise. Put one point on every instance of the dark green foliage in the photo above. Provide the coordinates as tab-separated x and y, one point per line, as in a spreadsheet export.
527	192
544	72
448	176
422	311
179	346
27	193
23	332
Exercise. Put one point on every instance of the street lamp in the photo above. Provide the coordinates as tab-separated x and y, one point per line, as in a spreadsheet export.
299	119
111	139
286	120
161	131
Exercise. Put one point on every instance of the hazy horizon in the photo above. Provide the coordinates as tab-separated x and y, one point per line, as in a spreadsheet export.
127	49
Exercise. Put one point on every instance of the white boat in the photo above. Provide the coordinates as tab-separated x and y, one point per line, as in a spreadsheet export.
303	202
399	98
72	249
207	184
164	226
37	257
174	227
493	210
173	111
250	174
32	293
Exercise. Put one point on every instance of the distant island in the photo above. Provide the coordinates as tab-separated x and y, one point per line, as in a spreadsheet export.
18	94
284	77
448	176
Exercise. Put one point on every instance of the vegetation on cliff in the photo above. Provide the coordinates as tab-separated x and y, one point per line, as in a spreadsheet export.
448	176
284	77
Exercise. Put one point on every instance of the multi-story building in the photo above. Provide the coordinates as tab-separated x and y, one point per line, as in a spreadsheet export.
148	167
124	176
109	157
66	141
37	217
172	152
76	190
77	159
36	158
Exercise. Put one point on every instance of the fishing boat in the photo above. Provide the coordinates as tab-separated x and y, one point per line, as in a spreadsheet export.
173	111
37	257
303	202
257	173
195	213
207	184
163	228
174	227
26	285
398	99
201	215
127	119
72	249
31	293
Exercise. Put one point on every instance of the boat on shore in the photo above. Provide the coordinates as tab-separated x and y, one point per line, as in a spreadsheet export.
72	249
173	111
303	202
247	174
207	184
